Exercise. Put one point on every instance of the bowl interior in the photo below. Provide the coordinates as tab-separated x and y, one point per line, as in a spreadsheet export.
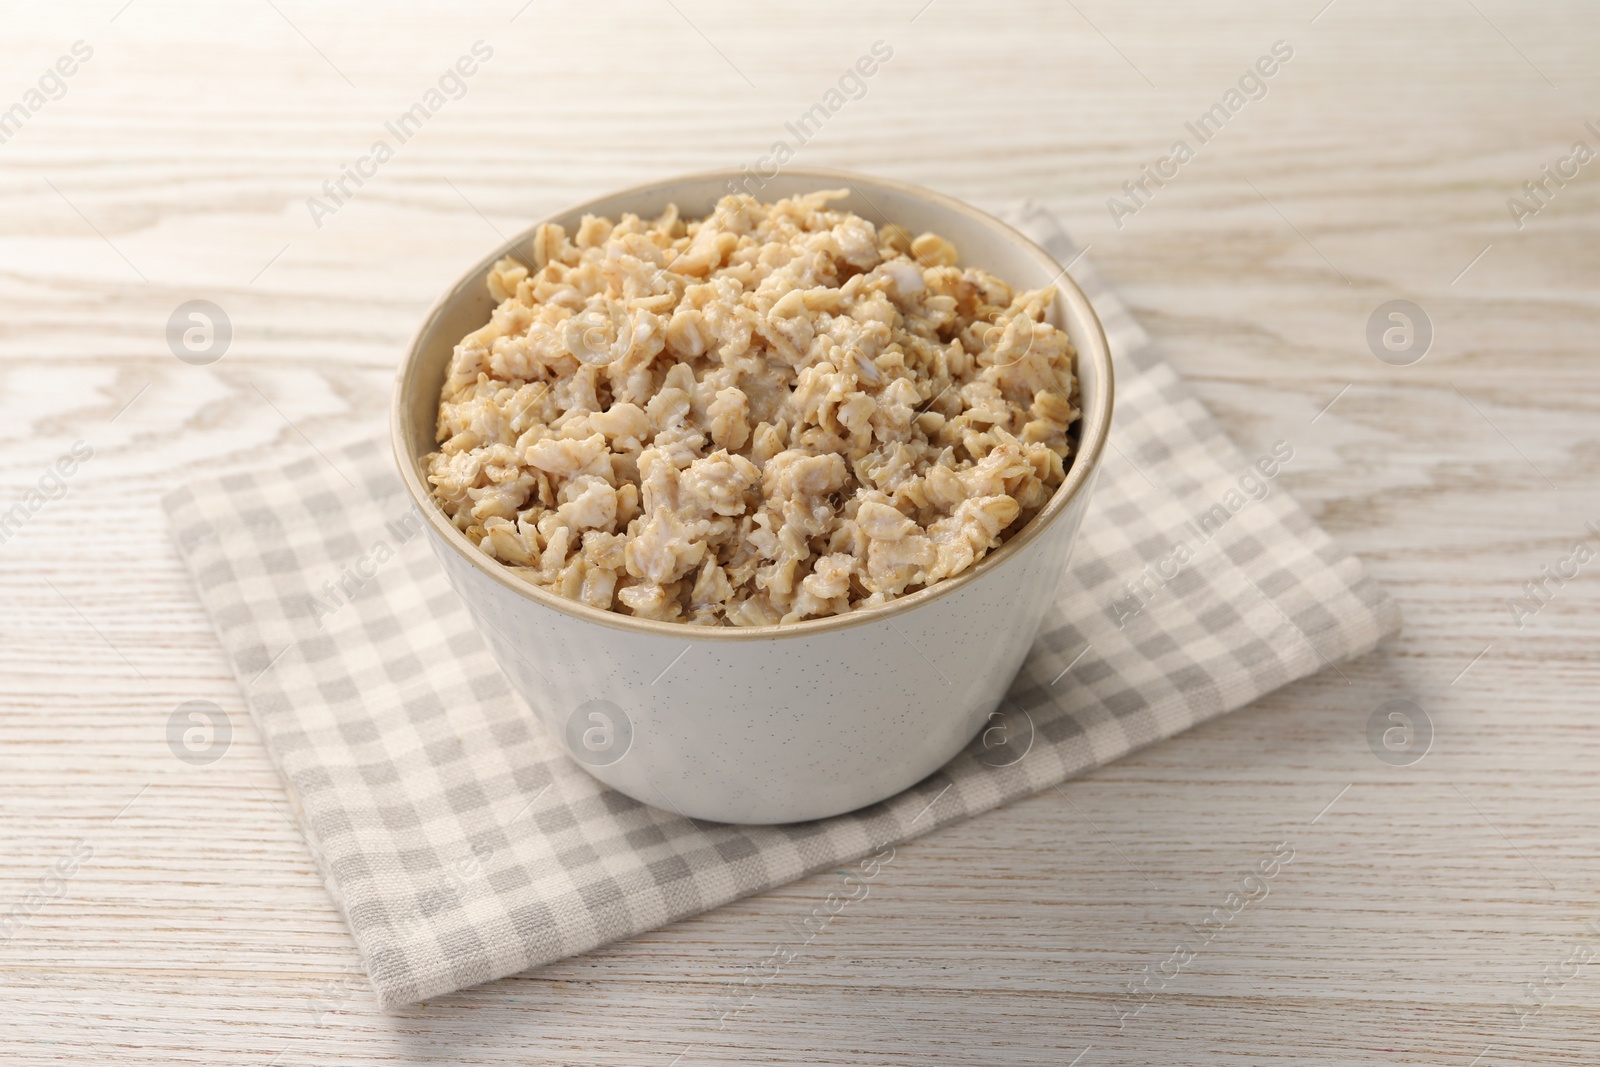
981	240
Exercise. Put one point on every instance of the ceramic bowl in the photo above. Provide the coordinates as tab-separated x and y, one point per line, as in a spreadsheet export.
775	723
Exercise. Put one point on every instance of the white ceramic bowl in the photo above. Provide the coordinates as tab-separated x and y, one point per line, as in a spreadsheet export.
775	723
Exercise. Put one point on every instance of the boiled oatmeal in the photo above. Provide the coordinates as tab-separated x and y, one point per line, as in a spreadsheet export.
774	413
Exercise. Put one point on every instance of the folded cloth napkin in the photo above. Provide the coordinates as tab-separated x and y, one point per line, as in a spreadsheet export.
462	845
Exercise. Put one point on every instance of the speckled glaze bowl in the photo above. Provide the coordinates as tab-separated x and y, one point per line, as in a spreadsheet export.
774	723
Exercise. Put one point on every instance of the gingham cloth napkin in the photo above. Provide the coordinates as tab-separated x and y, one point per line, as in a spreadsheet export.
462	845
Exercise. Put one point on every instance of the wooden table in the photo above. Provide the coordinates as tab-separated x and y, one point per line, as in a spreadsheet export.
184	921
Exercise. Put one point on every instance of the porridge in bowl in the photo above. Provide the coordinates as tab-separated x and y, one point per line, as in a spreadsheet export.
778	412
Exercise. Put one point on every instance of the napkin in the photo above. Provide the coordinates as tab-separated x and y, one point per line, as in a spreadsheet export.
462	845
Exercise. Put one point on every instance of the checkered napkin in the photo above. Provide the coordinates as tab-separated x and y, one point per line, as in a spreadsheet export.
462	845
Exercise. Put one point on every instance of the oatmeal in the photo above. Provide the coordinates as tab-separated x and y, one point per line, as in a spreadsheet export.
775	413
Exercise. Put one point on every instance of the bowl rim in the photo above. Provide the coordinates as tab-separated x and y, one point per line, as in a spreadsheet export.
1094	428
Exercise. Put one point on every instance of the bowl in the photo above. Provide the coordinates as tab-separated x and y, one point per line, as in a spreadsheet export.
796	721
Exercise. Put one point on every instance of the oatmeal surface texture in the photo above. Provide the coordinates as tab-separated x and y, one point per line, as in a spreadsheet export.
774	413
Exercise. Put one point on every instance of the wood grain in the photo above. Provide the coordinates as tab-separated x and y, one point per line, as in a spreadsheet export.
1420	900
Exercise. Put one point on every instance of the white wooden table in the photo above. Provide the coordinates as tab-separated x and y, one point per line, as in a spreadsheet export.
176	916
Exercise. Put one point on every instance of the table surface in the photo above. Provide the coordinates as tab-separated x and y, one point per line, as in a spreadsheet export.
1430	908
